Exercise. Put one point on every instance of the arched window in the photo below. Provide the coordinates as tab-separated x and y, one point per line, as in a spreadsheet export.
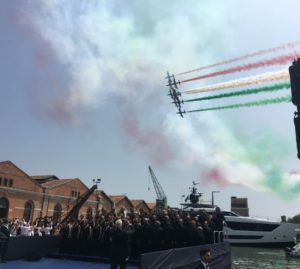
89	213
56	213
28	210
4	205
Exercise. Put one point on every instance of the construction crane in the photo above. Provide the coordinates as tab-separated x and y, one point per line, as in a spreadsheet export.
161	200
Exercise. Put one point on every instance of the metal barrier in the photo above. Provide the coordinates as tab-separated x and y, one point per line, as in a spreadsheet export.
21	246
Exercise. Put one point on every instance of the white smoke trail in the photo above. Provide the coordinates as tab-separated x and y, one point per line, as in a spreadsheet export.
258	79
111	48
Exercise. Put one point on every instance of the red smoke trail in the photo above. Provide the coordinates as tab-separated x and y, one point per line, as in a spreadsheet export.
218	176
284	59
244	57
150	140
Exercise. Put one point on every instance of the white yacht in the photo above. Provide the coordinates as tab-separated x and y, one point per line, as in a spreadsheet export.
248	231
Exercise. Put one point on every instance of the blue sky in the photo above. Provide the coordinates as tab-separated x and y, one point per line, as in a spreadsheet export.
83	95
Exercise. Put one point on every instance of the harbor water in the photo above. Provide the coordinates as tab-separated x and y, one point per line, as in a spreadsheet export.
242	258
267	258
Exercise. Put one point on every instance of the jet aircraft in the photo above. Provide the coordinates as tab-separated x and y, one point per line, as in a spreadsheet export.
180	112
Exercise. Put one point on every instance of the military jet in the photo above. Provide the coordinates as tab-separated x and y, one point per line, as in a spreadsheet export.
171	81
177	102
180	112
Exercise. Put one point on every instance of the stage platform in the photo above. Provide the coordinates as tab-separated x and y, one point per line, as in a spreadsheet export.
47	263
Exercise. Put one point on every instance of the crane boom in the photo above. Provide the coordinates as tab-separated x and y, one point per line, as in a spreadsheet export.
73	212
161	201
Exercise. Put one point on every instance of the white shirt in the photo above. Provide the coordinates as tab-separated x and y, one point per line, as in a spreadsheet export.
25	230
206	266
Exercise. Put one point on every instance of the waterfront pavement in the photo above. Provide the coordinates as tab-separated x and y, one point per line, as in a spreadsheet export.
55	263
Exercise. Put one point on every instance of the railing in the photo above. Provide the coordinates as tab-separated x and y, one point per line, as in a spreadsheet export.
218	236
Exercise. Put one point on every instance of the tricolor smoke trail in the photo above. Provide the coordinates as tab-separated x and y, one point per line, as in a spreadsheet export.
244	57
275	87
266	77
280	60
263	102
108	52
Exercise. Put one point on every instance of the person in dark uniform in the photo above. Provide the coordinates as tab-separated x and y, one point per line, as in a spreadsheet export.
4	239
205	259
218	220
119	245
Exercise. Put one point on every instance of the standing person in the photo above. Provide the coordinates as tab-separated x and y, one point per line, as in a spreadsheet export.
4	239
208	233
119	245
205	259
218	220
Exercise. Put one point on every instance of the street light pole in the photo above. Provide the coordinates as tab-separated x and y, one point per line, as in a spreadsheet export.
212	197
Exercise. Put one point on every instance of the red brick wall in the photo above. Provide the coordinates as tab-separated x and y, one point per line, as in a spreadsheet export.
124	203
43	200
17	202
142	206
105	202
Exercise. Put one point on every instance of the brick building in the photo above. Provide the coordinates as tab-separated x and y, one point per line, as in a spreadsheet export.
121	202
26	197
141	205
240	206
105	203
29	197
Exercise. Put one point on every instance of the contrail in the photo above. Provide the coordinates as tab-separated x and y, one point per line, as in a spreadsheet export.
275	87
244	57
280	60
262	78
105	57
249	104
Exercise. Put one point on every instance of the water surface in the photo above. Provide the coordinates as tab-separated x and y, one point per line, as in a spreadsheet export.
267	258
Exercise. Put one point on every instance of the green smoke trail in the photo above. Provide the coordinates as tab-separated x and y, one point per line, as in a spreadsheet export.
263	102
275	87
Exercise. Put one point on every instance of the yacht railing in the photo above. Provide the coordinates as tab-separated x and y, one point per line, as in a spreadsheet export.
266	218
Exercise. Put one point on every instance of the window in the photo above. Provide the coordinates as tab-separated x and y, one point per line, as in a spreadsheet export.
246	226
0	181
245	237
28	210
4	205
5	181
75	194
10	184
228	213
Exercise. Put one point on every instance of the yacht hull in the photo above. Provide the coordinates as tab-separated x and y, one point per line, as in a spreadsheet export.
257	232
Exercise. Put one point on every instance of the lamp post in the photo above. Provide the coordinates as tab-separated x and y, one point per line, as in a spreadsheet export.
212	197
97	181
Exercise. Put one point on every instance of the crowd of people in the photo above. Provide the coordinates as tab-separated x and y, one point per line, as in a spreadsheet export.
141	232
19	227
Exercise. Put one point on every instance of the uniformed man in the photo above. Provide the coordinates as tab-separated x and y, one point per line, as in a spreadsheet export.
4	239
